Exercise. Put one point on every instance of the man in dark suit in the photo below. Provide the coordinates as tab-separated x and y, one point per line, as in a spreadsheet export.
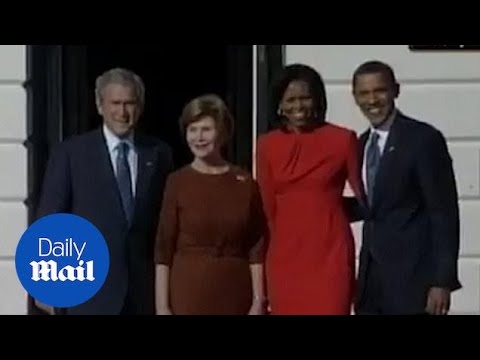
409	255
114	178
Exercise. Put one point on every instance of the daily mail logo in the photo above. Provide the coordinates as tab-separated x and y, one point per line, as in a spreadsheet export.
62	260
49	271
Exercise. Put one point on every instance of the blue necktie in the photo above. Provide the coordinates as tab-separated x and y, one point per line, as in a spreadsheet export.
124	180
373	161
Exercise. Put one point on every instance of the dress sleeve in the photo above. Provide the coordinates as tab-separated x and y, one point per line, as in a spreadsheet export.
167	232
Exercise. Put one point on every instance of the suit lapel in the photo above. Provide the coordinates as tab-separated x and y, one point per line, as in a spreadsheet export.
106	172
145	167
387	161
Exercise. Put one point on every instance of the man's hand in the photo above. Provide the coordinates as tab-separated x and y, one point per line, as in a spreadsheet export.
438	301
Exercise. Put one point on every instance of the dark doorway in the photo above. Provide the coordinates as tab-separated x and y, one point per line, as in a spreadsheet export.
173	75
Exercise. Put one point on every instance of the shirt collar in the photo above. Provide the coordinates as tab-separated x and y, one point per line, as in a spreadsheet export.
113	140
384	129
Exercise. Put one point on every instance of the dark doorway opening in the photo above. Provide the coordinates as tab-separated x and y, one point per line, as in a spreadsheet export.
173	75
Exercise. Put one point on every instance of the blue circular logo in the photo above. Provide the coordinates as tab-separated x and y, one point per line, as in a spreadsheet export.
62	260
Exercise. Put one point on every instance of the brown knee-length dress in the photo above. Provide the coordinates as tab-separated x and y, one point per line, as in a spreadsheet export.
211	229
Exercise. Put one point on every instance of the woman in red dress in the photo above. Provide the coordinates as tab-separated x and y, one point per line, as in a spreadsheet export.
302	170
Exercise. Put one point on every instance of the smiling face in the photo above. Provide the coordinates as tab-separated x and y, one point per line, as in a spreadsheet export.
297	104
375	95
119	108
203	138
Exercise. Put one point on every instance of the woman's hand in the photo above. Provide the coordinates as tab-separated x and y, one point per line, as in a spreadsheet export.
258	307
164	311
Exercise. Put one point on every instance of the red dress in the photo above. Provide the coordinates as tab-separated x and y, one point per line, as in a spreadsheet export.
310	264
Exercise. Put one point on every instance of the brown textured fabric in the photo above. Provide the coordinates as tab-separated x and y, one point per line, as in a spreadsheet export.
211	229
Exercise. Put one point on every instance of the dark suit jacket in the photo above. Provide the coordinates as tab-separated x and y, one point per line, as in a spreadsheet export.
80	180
411	230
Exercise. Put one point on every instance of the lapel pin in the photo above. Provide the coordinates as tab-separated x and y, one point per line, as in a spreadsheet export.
149	163
241	178
391	149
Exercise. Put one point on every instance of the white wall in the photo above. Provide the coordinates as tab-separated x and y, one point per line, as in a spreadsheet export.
440	88
13	173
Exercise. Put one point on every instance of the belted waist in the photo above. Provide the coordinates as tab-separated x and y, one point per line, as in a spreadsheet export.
211	251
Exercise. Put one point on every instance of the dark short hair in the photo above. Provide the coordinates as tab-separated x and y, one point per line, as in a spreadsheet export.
209	105
374	67
298	72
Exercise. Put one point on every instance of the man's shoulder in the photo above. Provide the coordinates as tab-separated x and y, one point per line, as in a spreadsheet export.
419	126
154	142
422	135
80	141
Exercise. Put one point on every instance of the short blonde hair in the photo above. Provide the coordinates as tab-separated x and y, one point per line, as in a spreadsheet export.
209	105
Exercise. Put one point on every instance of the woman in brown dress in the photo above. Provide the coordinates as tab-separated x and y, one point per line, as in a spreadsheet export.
209	248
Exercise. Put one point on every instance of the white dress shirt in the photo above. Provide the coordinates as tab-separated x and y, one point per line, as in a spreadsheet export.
112	144
383	132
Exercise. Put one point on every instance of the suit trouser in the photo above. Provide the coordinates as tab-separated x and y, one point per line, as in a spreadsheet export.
371	302
375	300
127	308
